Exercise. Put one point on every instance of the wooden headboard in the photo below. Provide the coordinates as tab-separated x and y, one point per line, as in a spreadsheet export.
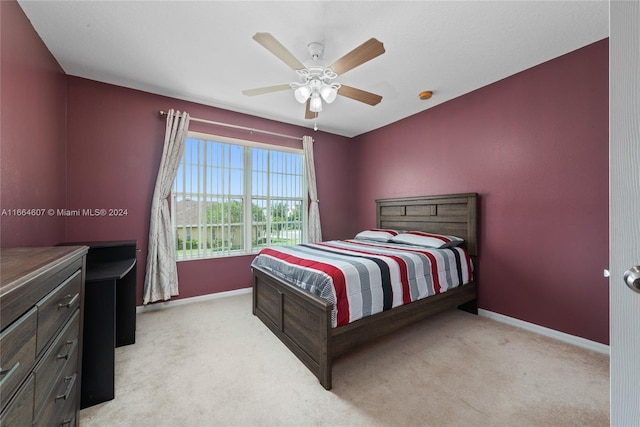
452	214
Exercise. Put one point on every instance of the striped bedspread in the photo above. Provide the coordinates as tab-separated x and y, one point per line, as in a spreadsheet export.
362	277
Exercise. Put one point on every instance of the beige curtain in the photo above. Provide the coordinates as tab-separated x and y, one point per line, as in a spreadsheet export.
313	222
161	281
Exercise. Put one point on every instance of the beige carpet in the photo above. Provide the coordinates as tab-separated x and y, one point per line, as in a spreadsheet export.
214	364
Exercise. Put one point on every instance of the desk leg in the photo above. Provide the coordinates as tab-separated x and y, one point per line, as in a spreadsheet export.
98	355
126	309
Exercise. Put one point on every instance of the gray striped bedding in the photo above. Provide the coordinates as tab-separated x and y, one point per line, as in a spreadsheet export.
361	277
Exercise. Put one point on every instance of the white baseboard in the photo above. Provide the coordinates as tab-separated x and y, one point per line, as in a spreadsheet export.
177	302
561	336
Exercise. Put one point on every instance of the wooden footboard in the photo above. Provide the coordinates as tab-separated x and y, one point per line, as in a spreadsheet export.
301	320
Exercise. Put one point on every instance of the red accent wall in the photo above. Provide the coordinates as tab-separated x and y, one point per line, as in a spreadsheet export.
32	134
115	139
535	147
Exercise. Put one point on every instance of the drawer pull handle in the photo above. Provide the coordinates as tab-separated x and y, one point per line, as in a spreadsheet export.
73	344
71	301
71	382
67	422
6	373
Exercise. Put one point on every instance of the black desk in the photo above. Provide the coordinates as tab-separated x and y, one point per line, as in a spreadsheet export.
109	315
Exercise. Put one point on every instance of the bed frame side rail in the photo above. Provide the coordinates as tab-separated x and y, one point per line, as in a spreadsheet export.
353	335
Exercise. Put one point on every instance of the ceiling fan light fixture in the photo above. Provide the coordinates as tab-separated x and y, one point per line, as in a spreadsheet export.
302	94
315	79
315	105
328	93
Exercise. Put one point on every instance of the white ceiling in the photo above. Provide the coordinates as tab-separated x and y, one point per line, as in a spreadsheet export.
203	51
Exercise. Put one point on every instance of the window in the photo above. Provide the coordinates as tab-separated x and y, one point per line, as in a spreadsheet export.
233	197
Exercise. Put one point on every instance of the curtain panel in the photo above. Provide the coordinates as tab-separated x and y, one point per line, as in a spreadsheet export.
161	280
313	222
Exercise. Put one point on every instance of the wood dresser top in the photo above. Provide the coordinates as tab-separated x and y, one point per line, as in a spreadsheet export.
19	265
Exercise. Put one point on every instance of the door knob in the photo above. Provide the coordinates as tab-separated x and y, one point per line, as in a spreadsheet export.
632	278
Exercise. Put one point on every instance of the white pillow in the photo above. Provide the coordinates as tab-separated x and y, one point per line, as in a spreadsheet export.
431	240
377	234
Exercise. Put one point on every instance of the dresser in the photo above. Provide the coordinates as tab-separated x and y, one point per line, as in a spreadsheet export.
41	318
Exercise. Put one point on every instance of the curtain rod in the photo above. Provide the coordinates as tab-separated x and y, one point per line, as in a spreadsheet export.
164	113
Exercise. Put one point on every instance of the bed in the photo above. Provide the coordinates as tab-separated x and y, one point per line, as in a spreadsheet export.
312	326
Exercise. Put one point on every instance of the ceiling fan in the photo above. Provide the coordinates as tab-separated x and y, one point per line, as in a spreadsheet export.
316	81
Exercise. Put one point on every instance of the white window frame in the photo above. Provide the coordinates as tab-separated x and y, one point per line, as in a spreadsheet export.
203	253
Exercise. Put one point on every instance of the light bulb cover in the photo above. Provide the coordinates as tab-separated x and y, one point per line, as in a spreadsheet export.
328	93
302	94
316	103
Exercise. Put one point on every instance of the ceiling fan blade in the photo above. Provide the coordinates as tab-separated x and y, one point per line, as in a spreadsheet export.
274	46
308	114
359	95
358	56
266	89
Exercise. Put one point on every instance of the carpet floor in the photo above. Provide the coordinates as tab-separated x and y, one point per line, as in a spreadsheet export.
213	363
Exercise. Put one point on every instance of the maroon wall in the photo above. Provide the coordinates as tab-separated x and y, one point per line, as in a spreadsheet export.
32	135
115	138
535	147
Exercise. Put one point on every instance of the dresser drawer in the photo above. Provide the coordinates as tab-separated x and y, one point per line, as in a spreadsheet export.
63	352
19	411
57	307
17	353
63	395
68	416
